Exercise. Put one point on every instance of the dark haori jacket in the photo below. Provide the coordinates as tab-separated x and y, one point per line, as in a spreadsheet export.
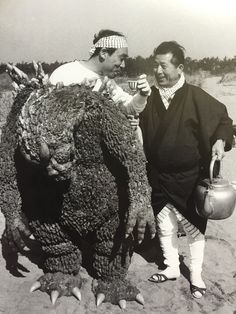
177	144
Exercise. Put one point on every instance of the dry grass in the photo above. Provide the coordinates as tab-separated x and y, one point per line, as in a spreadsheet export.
228	79
197	78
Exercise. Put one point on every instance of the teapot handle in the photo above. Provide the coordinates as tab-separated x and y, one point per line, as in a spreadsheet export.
214	158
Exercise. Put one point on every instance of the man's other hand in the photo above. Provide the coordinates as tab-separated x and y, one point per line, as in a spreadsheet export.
218	149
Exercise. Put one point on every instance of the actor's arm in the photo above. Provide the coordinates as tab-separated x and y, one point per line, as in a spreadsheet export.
223	136
214	123
224	131
134	104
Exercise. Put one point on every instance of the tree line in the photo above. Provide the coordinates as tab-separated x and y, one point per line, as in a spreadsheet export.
213	65
138	65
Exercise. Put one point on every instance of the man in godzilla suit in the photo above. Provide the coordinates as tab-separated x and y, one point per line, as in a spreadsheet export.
71	164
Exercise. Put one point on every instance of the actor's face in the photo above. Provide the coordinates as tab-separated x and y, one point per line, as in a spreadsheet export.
112	65
166	73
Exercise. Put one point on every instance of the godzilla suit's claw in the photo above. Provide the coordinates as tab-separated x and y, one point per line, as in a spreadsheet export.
41	72
9	67
100	298
20	73
36	67
54	296
122	304
15	86
140	299
76	292
35	286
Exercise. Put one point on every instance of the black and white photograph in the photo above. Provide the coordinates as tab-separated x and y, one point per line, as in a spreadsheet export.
117	156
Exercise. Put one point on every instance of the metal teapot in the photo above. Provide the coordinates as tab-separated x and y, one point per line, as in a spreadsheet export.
215	198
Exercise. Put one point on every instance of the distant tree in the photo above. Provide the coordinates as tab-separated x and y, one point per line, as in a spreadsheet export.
138	65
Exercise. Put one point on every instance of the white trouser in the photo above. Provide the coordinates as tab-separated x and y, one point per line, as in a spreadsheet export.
196	248
167	231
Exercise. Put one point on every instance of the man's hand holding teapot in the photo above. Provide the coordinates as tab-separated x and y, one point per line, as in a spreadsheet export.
218	149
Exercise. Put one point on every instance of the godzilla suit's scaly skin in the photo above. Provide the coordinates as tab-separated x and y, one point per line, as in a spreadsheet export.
75	169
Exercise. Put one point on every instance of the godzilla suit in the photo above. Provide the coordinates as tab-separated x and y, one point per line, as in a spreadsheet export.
74	171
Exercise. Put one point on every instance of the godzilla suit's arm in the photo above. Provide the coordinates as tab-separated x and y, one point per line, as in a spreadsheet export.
16	226
124	146
10	201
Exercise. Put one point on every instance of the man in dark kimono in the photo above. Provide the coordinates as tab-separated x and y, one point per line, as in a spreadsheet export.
183	128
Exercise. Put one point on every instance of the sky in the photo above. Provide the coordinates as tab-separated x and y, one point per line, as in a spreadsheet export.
63	30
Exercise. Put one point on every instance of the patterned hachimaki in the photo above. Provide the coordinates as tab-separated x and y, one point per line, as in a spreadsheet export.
75	169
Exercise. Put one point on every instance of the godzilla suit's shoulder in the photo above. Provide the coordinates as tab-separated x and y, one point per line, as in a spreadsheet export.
66	103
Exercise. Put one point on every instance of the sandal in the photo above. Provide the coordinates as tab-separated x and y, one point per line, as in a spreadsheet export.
159	278
194	289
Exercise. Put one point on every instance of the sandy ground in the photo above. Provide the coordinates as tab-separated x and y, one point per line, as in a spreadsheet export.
169	297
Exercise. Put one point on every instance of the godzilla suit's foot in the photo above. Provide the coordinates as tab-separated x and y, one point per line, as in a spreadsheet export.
116	292
59	284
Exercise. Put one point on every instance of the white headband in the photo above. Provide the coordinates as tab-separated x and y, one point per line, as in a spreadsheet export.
109	42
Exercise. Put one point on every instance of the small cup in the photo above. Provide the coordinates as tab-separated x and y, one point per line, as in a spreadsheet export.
133	84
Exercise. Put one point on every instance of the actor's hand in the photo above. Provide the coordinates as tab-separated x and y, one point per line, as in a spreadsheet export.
218	149
91	82
143	85
110	86
134	121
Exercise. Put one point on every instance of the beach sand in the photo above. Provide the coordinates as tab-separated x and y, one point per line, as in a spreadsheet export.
219	270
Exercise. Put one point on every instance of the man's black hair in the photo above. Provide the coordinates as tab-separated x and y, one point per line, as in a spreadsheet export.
171	47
